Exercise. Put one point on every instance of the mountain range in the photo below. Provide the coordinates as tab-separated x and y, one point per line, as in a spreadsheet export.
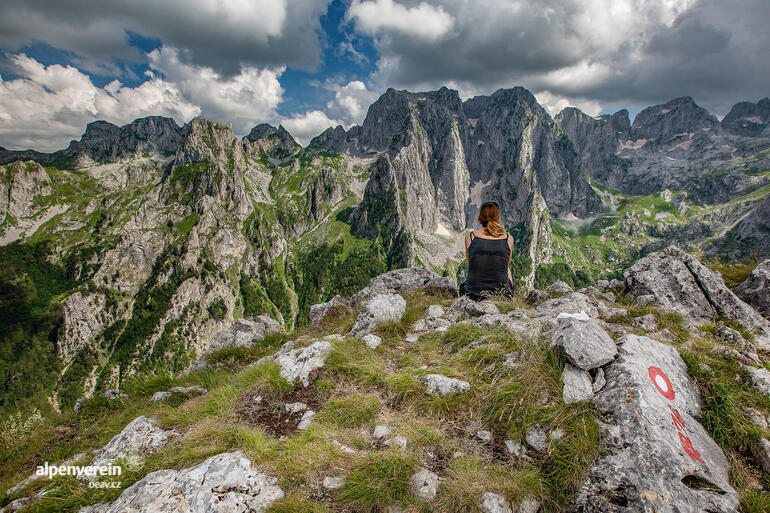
133	247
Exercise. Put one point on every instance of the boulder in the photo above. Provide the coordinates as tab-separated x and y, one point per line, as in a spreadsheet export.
140	436
680	283
425	485
227	482
442	386
333	483
378	310
494	503
297	364
659	457
755	290
577	385
585	344
380	431
761	451
434	312
334	306
403	280
245	332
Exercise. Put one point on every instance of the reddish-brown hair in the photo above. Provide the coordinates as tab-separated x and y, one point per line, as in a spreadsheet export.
489	217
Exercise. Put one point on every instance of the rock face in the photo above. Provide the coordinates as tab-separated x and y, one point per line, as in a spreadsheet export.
140	436
748	119
380	309
661	458
20	183
585	344
438	156
755	290
223	483
272	141
679	282
662	122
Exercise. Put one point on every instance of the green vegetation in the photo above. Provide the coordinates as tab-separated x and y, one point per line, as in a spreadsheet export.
30	316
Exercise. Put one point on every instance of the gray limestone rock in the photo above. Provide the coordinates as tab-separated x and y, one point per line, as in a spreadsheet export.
760	378
425	485
494	503
585	344
755	290
537	438
464	306
227	482
680	283
298	364
371	340
577	385
332	307
140	436
442	386
378	310
660	458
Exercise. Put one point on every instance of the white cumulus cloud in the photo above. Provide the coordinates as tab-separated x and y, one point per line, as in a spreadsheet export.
303	127
47	106
423	21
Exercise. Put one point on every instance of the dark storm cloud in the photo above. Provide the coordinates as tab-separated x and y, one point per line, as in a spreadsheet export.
598	52
210	33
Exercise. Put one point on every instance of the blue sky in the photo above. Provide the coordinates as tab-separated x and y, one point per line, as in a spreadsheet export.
311	64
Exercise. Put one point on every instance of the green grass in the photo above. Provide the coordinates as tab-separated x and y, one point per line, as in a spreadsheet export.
383	480
350	411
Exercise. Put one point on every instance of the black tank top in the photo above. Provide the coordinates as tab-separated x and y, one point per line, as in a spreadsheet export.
488	265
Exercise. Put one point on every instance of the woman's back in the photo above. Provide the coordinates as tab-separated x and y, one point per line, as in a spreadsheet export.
488	264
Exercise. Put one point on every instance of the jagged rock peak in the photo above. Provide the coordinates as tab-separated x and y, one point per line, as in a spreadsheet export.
678	116
105	142
747	118
270	139
210	141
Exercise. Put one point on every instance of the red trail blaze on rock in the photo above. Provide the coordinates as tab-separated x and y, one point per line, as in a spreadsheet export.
662	383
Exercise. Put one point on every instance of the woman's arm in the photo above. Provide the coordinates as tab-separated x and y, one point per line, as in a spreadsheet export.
467	243
510	246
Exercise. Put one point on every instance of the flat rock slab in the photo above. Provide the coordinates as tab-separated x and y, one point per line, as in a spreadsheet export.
585	344
225	483
660	458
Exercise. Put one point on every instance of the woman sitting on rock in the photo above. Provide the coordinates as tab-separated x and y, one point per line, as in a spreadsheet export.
488	252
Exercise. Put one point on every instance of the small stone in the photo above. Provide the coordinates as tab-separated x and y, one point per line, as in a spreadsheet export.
515	448
442	386
425	485
528	506
397	442
494	503
760	378
344	448
484	436
332	483
434	311
513	359
599	380
380	431
371	341
412	337
704	367
306	420
457	454
577	385
646	322
112	394
334	337
161	396
536	438
295	407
